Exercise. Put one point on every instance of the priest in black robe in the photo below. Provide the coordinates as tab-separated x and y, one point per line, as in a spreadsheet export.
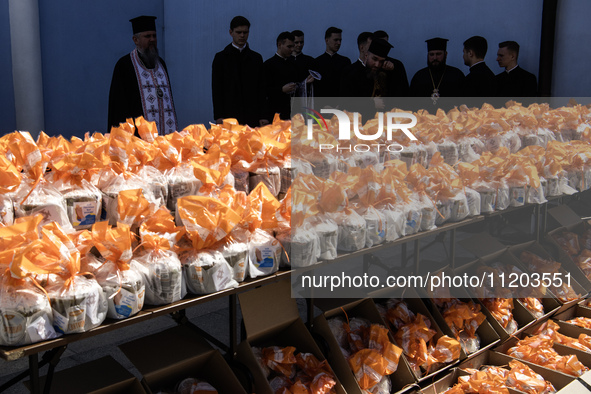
237	80
330	65
281	78
395	69
369	81
437	79
514	81
480	81
303	63
140	85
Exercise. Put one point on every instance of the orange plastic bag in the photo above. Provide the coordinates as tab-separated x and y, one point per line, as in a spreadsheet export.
262	207
206	220
133	208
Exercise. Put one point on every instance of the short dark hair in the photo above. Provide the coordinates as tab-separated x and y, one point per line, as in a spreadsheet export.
239	21
284	36
363	37
511	46
380	34
478	45
297	33
332	30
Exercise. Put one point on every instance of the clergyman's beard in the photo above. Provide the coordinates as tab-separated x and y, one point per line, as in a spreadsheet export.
438	67
149	56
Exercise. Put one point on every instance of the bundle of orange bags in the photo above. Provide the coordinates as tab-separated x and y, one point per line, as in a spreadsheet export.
578	248
584	322
291	373
418	340
538	349
550	329
535	263
464	318
498	380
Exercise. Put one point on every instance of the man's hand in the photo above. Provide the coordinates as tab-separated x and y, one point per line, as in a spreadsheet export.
309	80
388	65
263	122
289	88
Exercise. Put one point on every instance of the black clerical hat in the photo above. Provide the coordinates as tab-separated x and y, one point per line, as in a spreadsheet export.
380	47
143	23
437	44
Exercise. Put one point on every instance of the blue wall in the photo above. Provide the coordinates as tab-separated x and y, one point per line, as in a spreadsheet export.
80	44
81	41
572	58
7	114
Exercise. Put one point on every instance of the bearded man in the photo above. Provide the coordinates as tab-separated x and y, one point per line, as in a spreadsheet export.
370	80
437	79
140	83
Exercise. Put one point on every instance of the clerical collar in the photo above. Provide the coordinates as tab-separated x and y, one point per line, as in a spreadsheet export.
277	53
362	62
330	54
482	61
508	71
297	54
237	47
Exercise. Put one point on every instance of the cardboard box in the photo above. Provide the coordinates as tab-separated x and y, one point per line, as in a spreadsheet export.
271	318
583	357
569	221
552	305
166	358
102	376
576	311
490	358
574	387
402	379
488	336
489	251
416	305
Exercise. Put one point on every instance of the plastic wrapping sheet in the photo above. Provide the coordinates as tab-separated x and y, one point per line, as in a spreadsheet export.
6	210
162	275
78	305
125	290
351	230
43	199
83	203
206	272
301	245
181	182
25	313
264	254
270	177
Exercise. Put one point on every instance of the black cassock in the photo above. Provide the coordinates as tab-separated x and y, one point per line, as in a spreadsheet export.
517	83
450	81
237	85
480	81
357	81
124	95
303	64
279	72
399	79
331	69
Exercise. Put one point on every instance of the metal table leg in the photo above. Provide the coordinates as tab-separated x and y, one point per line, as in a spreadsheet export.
233	323
34	374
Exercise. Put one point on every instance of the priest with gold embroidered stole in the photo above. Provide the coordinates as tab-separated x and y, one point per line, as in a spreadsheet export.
140	85
437	79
